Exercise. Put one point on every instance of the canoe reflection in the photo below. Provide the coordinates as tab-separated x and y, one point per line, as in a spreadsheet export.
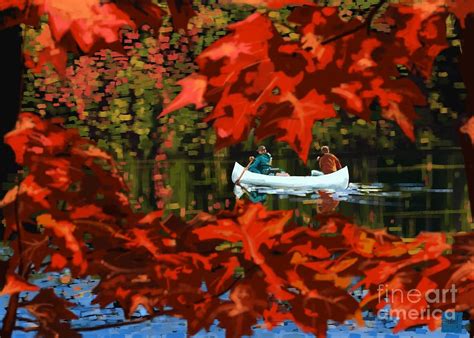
326	204
257	197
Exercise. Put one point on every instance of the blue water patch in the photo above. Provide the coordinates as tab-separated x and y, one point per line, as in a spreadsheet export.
453	324
79	292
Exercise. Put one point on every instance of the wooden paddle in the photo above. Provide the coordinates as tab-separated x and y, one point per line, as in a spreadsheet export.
244	189
243	171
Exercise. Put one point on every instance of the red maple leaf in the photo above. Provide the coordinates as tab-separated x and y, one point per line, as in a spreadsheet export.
194	87
411	308
65	232
460	8
255	227
219	278
256	79
272	4
89	24
468	128
312	310
248	301
16	284
51	313
5	4
295	120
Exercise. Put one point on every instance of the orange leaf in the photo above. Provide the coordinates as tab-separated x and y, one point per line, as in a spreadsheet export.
296	120
65	234
194	87
58	261
5	4
273	4
468	128
15	284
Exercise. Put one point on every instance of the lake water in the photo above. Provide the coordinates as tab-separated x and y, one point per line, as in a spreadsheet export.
78	292
406	192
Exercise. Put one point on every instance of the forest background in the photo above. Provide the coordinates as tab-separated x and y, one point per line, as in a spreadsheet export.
115	99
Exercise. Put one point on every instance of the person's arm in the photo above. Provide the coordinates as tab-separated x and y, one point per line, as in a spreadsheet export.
255	164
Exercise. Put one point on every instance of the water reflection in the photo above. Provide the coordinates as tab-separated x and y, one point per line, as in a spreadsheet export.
252	194
326	202
418	192
257	197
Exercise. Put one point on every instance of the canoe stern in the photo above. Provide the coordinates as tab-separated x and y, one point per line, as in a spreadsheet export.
236	172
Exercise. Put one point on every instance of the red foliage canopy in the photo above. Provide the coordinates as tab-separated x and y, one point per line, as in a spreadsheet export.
87	25
75	198
274	270
255	78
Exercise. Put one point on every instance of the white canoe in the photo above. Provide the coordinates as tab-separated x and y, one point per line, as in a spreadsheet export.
337	181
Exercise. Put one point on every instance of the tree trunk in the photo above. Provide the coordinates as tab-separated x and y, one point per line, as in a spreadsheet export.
468	153
10	317
11	70
467	71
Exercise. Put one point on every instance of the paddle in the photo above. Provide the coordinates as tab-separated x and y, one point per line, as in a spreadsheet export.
245	169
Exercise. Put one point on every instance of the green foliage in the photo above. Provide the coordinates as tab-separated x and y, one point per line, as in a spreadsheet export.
115	98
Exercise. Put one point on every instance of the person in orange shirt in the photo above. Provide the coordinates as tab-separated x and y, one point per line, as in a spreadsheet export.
328	163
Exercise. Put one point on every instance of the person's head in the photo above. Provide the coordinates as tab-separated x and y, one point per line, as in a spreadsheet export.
261	149
325	149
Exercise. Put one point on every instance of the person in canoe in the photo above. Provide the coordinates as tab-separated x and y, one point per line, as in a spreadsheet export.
262	163
328	163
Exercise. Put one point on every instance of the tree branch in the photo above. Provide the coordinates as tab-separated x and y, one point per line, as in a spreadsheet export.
117	269
366	24
231	285
29	320
99	327
10	316
129	322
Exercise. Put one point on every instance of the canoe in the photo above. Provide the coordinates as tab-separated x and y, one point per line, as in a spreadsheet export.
337	181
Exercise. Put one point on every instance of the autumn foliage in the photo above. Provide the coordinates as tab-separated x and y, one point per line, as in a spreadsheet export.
70	208
272	269
87	25
349	63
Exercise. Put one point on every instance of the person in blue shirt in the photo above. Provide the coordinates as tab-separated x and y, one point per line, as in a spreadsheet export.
262	163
